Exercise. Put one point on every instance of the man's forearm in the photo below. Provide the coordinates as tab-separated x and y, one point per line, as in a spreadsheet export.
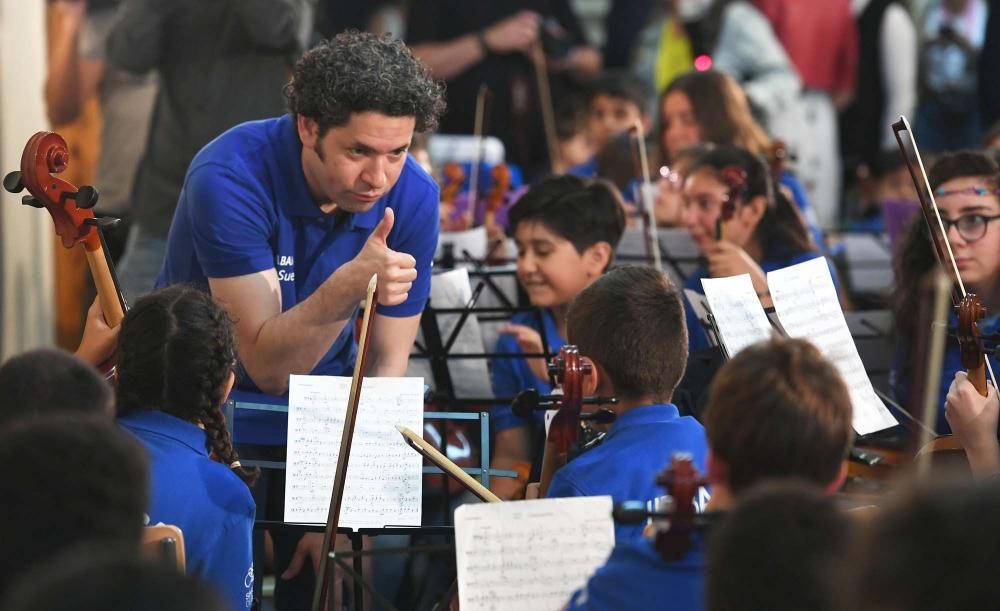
294	341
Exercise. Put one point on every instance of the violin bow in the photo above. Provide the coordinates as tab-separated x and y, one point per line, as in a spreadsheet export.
482	101
340	475
968	306
646	206
545	102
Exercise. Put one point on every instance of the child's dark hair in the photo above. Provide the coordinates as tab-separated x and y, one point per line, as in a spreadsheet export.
68	479
623	85
175	353
50	380
582	212
779	409
914	256
945	528
885	162
101	578
781	232
631	322
571	116
804	537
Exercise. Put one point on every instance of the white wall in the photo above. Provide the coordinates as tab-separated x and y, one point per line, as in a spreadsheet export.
26	242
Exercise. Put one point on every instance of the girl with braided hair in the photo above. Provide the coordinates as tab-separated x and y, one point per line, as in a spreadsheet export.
176	356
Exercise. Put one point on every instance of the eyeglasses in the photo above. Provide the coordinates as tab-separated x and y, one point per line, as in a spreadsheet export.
971	227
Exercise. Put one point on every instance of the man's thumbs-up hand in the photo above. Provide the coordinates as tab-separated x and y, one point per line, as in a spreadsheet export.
396	270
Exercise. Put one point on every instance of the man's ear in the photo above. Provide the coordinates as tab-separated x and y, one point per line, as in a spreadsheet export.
308	131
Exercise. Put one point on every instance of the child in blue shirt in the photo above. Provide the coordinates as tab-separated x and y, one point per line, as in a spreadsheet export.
765	231
630	324
176	356
779	409
967	192
566	230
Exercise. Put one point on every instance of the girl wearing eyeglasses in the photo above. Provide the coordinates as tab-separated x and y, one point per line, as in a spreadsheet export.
966	187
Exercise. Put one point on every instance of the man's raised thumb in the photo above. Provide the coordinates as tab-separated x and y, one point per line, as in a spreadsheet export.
384	226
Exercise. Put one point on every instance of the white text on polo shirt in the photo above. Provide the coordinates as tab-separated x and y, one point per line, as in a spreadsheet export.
286	275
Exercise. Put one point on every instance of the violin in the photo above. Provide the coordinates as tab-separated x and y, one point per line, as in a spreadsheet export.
569	369
497	195
676	521
453	176
70	207
968	306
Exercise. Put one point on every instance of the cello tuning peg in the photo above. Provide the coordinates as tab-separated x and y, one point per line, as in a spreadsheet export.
12	182
104	222
86	197
28	200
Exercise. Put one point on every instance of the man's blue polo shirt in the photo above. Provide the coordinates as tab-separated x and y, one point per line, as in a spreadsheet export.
636	449
511	375
246	207
205	499
636	577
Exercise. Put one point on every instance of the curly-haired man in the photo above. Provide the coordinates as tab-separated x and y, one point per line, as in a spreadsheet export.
284	220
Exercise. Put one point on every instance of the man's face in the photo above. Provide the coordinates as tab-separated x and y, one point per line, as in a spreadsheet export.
354	165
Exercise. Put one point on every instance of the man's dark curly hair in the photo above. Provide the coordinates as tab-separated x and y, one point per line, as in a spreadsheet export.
360	72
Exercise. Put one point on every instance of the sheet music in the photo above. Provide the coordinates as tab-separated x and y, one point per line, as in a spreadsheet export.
469	377
806	303
383	476
530	555
738	314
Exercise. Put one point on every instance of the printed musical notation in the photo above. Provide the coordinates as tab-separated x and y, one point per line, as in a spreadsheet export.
383	475
547	548
738	314
805	300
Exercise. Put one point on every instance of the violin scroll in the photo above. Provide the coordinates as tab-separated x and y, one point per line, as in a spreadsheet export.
569	369
681	480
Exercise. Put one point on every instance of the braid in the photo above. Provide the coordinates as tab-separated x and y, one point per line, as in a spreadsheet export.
177	353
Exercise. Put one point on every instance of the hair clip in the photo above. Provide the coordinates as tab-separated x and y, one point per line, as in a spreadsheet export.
735	178
980	191
672	176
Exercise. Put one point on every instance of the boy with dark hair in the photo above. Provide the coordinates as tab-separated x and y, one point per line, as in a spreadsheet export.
618	100
778	409
566	230
88	579
804	538
934	549
67	480
630	324
49	380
